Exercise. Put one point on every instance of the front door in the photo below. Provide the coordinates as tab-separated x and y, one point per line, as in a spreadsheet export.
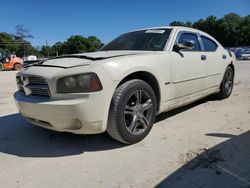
189	68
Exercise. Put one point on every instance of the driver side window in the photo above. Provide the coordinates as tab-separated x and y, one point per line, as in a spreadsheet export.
192	37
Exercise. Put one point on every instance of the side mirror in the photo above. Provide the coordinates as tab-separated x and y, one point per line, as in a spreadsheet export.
184	44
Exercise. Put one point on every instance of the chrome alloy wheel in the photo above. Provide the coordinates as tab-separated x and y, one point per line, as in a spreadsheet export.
138	112
229	82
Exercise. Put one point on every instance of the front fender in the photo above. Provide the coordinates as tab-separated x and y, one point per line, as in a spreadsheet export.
157	65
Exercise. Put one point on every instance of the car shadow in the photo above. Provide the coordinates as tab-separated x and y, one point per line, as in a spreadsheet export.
20	138
224	165
179	110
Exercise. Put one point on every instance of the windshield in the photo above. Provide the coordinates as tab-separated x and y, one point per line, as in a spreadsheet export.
145	40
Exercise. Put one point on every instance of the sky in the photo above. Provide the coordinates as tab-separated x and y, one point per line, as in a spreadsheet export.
56	20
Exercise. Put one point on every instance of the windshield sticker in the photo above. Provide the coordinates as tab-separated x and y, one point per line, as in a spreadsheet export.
155	31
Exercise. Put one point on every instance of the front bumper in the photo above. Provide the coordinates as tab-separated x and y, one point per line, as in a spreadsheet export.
79	115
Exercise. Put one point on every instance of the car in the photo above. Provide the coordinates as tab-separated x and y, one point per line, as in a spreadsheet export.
10	61
123	86
245	55
238	52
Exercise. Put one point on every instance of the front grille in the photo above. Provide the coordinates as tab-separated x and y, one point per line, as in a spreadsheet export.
36	80
32	85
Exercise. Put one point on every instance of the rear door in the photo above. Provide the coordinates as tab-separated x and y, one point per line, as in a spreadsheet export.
216	58
189	67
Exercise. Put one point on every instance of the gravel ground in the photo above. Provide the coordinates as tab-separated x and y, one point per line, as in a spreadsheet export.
205	144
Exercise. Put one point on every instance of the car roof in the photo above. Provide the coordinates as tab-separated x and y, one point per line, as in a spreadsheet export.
181	28
169	27
176	28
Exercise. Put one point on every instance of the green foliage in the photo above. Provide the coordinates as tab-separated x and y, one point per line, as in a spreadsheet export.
177	23
230	30
7	42
24	48
244	28
74	44
19	45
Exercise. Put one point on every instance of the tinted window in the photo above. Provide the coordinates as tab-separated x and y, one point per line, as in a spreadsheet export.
148	40
193	37
209	45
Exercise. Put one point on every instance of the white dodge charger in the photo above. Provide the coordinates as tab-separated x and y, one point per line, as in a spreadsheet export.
121	88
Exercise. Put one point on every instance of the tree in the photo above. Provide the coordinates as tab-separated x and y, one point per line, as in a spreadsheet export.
7	43
56	49
76	44
231	33
230	30
177	23
208	25
18	43
46	51
244	31
22	32
96	43
79	44
23	46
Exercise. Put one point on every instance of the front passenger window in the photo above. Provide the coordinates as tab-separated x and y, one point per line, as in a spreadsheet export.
193	37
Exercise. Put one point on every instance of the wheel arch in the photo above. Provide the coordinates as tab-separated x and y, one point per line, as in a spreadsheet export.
147	77
232	66
16	63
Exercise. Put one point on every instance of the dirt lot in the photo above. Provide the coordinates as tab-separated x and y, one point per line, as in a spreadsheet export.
206	144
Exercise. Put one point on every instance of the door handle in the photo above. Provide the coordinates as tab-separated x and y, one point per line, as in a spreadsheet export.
203	57
224	56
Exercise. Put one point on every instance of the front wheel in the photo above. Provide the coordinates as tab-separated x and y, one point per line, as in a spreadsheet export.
1	66
18	67
226	87
132	112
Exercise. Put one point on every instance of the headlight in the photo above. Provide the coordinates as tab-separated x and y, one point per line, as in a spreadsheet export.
82	83
70	82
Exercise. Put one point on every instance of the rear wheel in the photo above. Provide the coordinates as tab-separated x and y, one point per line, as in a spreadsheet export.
18	67
226	87
132	112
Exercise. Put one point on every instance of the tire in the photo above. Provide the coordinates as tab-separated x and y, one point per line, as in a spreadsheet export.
18	67
226	86
132	112
1	66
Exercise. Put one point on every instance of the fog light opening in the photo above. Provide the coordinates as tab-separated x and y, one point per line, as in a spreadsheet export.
77	124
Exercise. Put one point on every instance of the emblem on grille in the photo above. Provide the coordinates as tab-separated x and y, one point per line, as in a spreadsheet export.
25	81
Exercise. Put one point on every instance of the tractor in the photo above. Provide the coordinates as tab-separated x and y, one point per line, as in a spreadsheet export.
10	61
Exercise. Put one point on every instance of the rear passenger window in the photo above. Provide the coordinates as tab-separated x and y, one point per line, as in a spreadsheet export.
209	45
193	37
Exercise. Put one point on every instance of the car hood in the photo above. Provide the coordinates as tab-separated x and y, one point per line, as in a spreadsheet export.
84	59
